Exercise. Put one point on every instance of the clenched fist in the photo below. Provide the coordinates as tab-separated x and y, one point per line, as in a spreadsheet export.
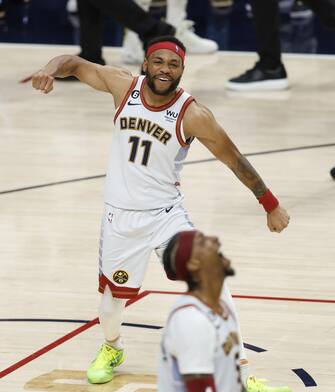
42	81
278	219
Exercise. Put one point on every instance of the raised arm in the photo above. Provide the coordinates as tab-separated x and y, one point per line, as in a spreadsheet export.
114	80
200	123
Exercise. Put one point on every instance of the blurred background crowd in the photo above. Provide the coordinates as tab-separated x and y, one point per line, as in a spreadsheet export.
227	22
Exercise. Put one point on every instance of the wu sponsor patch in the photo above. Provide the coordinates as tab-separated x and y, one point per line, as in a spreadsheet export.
171	116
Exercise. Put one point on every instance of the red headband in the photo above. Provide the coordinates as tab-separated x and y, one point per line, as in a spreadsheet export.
183	253
166	45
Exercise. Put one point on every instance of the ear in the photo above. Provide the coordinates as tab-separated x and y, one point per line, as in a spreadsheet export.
193	264
145	65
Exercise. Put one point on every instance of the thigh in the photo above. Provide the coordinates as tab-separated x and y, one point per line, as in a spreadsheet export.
124	253
171	221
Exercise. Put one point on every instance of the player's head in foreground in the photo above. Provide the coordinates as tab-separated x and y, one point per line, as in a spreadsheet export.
164	64
195	258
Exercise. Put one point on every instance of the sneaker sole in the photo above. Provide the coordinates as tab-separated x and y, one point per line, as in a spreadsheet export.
266	85
301	14
204	51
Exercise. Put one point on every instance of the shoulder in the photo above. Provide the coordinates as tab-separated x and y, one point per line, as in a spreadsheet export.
196	111
191	338
197	116
189	317
117	80
115	75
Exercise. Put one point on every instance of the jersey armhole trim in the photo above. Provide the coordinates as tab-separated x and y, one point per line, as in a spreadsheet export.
125	98
179	128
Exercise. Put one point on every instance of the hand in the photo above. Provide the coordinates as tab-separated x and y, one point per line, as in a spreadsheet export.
42	81
278	219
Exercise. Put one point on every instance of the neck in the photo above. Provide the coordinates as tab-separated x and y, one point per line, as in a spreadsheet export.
154	99
209	293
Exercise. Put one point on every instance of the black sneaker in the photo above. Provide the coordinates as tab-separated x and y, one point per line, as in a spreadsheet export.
260	79
71	78
332	172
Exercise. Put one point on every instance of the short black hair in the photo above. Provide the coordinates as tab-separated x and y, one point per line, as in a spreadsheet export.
167	259
162	38
170	269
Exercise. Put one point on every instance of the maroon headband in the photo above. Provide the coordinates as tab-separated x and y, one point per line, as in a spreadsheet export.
183	253
166	45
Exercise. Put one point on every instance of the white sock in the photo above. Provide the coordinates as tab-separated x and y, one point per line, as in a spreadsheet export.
110	315
244	368
117	343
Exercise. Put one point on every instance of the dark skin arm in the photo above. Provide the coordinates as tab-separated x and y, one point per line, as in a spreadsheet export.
114	80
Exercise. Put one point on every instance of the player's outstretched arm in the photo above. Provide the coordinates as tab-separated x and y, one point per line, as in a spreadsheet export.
114	80
200	123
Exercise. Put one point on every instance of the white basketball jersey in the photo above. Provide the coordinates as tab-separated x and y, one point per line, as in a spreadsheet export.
148	151
198	341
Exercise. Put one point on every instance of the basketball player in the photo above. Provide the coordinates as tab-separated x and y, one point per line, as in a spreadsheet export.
200	345
155	123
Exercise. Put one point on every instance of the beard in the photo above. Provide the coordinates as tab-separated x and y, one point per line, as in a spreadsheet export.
173	86
227	269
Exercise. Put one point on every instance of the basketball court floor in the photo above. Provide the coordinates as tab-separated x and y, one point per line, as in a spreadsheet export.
53	154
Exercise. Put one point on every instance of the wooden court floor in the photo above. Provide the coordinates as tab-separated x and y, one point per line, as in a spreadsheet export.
53	154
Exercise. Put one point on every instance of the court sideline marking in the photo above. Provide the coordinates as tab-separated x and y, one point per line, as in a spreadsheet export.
185	163
89	324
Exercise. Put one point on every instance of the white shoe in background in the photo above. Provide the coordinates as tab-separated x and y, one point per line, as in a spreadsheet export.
72	7
132	51
132	47
194	44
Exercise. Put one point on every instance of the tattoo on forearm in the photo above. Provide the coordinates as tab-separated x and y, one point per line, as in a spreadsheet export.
248	175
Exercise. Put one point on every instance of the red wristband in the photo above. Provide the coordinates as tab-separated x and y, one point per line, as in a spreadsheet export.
268	201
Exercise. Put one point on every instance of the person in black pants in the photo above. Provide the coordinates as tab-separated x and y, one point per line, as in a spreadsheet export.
126	12
269	72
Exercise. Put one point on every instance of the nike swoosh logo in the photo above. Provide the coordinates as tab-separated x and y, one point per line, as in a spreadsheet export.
168	209
133	103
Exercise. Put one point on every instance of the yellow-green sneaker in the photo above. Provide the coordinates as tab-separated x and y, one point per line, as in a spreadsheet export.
101	369
257	385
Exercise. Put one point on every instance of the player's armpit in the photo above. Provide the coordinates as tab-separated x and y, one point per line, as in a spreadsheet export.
199	383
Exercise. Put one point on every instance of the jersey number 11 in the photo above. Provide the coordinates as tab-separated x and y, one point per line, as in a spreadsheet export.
146	144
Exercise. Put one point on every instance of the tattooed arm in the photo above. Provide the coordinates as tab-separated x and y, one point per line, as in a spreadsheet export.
199	122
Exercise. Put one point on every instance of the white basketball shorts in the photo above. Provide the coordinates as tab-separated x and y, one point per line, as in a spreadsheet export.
127	240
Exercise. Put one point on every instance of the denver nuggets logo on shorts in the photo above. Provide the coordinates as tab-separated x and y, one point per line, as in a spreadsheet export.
120	277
